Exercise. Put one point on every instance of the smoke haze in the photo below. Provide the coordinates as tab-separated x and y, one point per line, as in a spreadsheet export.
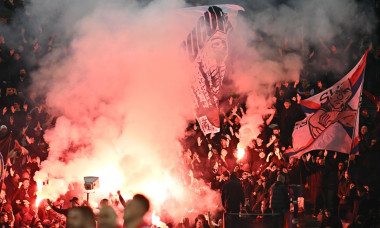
121	88
122	95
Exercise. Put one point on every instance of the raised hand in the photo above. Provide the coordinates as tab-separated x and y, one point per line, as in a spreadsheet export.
209	155
308	156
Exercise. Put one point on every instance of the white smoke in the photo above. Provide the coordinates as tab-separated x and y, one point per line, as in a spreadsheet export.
122	94
121	91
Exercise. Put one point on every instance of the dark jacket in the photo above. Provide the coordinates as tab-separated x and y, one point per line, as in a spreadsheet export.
232	195
61	211
344	190
296	173
279	196
331	222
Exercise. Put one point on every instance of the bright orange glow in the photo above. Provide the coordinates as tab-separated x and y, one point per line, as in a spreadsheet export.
39	193
110	179
156	220
240	153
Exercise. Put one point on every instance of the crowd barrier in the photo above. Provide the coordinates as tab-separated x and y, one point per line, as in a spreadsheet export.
254	220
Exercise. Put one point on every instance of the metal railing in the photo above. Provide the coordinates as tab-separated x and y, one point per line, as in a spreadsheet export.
255	220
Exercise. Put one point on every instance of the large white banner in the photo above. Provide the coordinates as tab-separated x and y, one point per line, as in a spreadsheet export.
332	119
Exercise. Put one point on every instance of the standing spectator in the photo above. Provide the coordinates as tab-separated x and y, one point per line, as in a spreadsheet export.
232	199
346	194
279	200
74	203
12	183
361	202
305	89
247	184
317	193
4	221
5	58
296	181
259	196
201	222
81	217
341	171
9	212
25	193
319	88
135	210
365	140
24	218
365	118
288	116
107	217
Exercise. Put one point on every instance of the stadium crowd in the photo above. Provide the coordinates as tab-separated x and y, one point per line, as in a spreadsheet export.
333	187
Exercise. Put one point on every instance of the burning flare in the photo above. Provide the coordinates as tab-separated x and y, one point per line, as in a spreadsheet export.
39	193
240	153
156	221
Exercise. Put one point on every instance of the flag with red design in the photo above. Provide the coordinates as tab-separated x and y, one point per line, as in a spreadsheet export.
332	119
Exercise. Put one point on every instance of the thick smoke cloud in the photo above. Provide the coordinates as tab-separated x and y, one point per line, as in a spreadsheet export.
122	96
120	90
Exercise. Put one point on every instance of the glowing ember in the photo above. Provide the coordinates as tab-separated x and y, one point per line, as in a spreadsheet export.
240	153
156	221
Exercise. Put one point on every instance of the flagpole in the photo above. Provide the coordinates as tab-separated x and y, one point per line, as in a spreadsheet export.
356	116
